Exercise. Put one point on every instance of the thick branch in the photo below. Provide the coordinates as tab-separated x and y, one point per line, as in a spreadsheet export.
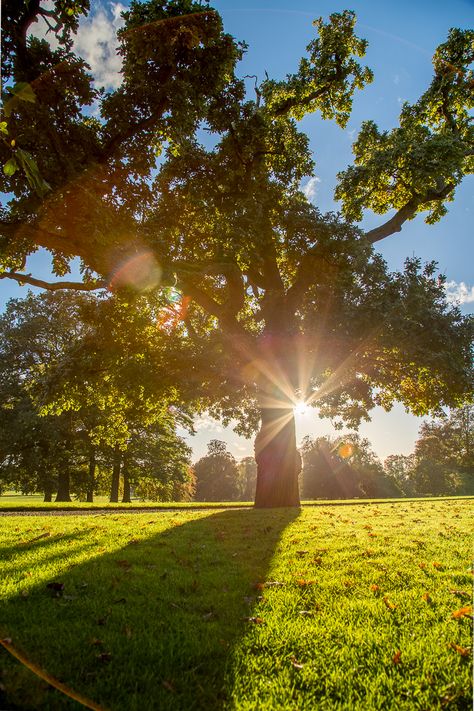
406	213
53	286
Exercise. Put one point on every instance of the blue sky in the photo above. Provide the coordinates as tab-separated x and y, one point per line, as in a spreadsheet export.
402	38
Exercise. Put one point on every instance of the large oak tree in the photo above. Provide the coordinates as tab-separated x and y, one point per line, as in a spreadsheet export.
291	303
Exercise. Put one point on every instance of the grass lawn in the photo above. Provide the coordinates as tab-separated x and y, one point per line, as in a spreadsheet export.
356	607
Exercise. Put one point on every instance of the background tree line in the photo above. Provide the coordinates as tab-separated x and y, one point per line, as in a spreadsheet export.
80	415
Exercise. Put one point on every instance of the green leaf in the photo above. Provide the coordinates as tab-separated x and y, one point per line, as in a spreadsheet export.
3	127
32	173
23	91
10	167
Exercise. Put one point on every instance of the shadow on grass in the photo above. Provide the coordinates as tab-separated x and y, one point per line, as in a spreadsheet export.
150	626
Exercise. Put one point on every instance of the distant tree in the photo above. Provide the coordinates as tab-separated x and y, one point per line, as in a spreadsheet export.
248	478
444	454
217	474
326	473
96	374
344	467
400	468
157	465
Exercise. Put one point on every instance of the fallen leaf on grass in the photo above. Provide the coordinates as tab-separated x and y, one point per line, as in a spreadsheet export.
397	657
97	642
125	564
390	605
303	583
460	593
56	589
438	566
104	657
255	620
375	588
426	597
295	663
168	686
463	651
301	553
462	612
306	613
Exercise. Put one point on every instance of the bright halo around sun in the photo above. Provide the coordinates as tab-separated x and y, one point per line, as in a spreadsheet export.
301	408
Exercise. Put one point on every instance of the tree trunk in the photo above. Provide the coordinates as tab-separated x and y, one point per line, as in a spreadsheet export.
91	477
63	486
48	492
278	460
114	489
126	487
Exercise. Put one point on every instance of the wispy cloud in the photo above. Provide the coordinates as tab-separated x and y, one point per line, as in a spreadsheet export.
459	292
208	423
95	42
311	188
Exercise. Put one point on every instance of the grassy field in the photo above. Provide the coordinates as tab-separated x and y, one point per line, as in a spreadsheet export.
357	607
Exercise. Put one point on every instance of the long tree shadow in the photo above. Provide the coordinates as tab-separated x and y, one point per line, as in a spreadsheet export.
152	625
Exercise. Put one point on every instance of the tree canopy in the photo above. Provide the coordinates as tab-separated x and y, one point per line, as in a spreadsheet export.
287	302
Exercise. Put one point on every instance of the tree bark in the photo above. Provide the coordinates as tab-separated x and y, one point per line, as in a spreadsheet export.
48	493
114	488
63	486
91	476
278	460
126	487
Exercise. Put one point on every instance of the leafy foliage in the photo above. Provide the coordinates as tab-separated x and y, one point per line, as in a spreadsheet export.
264	279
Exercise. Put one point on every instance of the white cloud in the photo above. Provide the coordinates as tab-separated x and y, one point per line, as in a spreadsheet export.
208	423
311	187
95	42
459	293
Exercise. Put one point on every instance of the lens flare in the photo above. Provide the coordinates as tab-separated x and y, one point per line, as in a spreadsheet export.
140	272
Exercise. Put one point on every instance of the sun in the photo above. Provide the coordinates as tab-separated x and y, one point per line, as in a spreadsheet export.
300	408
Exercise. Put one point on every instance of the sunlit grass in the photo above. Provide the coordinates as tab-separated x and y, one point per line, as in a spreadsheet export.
330	607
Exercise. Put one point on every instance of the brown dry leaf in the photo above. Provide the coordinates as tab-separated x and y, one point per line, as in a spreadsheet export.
397	657
390	605
303	583
438	566
463	651
295	663
168	686
422	565
255	620
259	586
302	553
125	564
426	597
104	657
462	612
375	588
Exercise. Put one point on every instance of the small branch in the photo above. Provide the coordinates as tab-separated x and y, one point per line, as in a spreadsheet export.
53	286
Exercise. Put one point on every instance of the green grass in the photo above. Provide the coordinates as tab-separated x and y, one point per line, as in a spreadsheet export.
176	610
34	502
